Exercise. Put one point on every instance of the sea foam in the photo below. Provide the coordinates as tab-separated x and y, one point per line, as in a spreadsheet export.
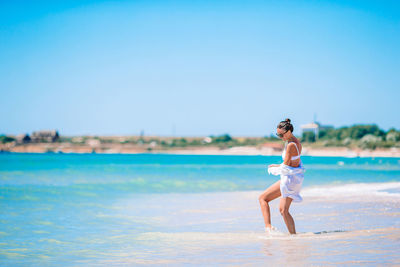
388	190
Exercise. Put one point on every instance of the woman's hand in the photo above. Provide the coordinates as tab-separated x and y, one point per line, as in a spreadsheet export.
273	165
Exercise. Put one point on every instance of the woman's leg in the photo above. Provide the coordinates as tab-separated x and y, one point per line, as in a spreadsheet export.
284	205
271	193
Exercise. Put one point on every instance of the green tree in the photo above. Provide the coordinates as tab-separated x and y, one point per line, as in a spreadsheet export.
359	131
6	139
392	135
222	138
308	137
370	141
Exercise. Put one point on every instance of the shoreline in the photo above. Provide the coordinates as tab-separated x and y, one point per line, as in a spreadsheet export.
210	150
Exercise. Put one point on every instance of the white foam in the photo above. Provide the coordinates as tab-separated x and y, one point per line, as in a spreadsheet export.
353	190
335	234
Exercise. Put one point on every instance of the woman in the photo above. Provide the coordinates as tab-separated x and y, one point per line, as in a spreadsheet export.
289	186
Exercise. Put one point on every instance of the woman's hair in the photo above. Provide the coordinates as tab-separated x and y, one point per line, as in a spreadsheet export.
286	125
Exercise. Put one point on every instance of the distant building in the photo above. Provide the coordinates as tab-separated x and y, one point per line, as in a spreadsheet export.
310	127
207	140
314	127
93	142
46	136
22	138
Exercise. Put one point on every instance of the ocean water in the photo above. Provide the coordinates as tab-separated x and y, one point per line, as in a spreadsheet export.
163	209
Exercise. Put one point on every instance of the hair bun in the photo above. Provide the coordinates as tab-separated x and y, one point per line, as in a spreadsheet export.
288	120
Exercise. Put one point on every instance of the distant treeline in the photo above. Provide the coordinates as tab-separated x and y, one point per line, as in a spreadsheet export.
363	136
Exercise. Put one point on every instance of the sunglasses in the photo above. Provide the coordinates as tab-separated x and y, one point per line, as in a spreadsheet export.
280	135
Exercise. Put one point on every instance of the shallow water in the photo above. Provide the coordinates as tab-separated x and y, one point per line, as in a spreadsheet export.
72	209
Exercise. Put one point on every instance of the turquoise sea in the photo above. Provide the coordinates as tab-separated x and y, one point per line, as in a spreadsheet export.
165	209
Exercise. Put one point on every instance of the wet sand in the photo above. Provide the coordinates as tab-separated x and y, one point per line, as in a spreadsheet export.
227	229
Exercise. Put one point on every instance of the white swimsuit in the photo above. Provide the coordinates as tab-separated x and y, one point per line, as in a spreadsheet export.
291	178
294	157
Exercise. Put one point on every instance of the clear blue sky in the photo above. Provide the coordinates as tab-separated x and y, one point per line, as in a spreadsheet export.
197	68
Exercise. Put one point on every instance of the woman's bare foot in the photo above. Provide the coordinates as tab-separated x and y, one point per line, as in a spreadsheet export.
270	229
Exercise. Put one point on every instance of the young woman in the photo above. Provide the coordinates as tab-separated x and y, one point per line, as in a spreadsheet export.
289	186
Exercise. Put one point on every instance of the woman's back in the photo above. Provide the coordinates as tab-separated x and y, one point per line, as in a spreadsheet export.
293	157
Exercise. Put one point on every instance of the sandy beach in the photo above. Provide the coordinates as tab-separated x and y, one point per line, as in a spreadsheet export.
208	150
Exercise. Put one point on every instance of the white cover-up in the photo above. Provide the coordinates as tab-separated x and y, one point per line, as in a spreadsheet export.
291	180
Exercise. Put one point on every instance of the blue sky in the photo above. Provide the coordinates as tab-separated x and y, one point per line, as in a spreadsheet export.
196	68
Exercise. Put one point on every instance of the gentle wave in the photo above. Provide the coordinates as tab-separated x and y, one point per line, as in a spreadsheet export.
388	189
